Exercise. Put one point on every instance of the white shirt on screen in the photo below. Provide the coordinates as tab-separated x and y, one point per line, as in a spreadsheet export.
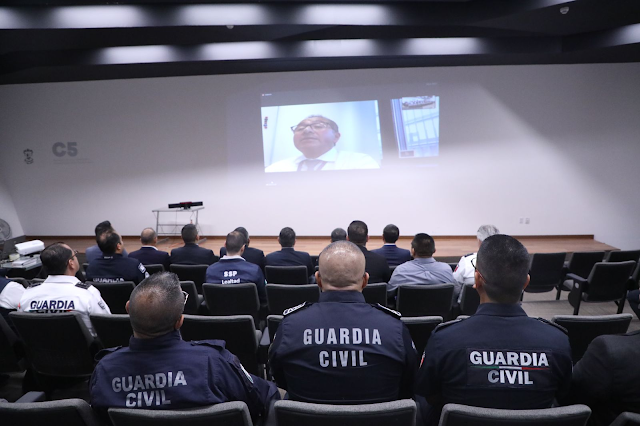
330	160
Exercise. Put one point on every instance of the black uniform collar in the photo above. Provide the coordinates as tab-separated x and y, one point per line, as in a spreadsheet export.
163	341
501	309
352	296
112	256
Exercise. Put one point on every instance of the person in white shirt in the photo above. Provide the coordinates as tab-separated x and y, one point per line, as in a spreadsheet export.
10	293
62	291
316	138
464	272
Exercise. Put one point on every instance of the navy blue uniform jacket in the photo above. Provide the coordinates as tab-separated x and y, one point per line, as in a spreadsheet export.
192	254
253	255
151	256
236	271
376	266
115	268
395	255
290	257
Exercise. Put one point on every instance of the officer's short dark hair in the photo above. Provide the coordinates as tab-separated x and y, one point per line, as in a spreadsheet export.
338	234
358	232
390	233
423	245
108	242
244	232
235	241
189	233
287	237
504	263
54	258
155	305
341	264
147	236
102	227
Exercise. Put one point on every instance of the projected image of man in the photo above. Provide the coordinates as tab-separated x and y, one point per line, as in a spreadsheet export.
316	137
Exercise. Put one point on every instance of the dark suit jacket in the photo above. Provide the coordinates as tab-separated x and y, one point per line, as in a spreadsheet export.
395	255
191	254
290	257
376	266
607	378
150	256
252	255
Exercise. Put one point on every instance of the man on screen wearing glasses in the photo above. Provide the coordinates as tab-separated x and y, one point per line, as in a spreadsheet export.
316	138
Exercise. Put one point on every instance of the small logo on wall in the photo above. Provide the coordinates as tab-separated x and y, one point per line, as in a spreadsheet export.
28	156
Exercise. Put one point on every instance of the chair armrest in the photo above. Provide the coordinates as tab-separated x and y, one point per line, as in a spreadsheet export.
32	396
577	278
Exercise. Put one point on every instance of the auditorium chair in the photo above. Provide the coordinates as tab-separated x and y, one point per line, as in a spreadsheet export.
284	296
154	267
85	265
396	413
607	282
116	295
112	330
622	256
25	282
464	415
232	299
546	272
235	413
238	331
195	273
195	302
583	329
287	274
11	349
273	322
469	300
627	419
420	329
59	347
67	412
425	300
375	293
580	264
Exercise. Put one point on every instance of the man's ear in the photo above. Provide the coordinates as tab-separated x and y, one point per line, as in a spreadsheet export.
126	306
526	283
319	280
365	280
178	323
477	281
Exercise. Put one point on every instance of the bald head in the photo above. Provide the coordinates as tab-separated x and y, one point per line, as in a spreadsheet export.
341	267
155	305
148	237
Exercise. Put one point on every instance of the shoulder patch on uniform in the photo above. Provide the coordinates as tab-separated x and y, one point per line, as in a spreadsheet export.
558	326
303	305
448	323
141	268
212	343
386	310
84	285
107	351
32	285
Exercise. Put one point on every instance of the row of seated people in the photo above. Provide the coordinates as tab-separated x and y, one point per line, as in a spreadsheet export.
343	350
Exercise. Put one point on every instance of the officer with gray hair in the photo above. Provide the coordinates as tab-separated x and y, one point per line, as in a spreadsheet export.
463	274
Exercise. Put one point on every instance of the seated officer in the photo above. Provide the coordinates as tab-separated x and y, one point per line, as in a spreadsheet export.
191	253
288	256
395	255
159	370
343	350
92	253
234	269
112	267
251	254
499	357
62	291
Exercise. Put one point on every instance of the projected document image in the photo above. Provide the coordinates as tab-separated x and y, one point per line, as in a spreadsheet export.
416	120
321	137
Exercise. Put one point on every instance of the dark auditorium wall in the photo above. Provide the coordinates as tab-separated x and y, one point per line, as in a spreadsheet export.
558	144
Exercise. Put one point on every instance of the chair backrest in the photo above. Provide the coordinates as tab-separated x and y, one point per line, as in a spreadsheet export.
116	295
234	413
463	415
112	330
469	300
193	303
546	272
284	296
10	347
195	273
154	267
609	280
68	412
25	282
237	330
56	344
273	322
375	293
231	299
420	329
85	265
627	418
582	262
622	255
287	274
583	329
397	413
425	300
